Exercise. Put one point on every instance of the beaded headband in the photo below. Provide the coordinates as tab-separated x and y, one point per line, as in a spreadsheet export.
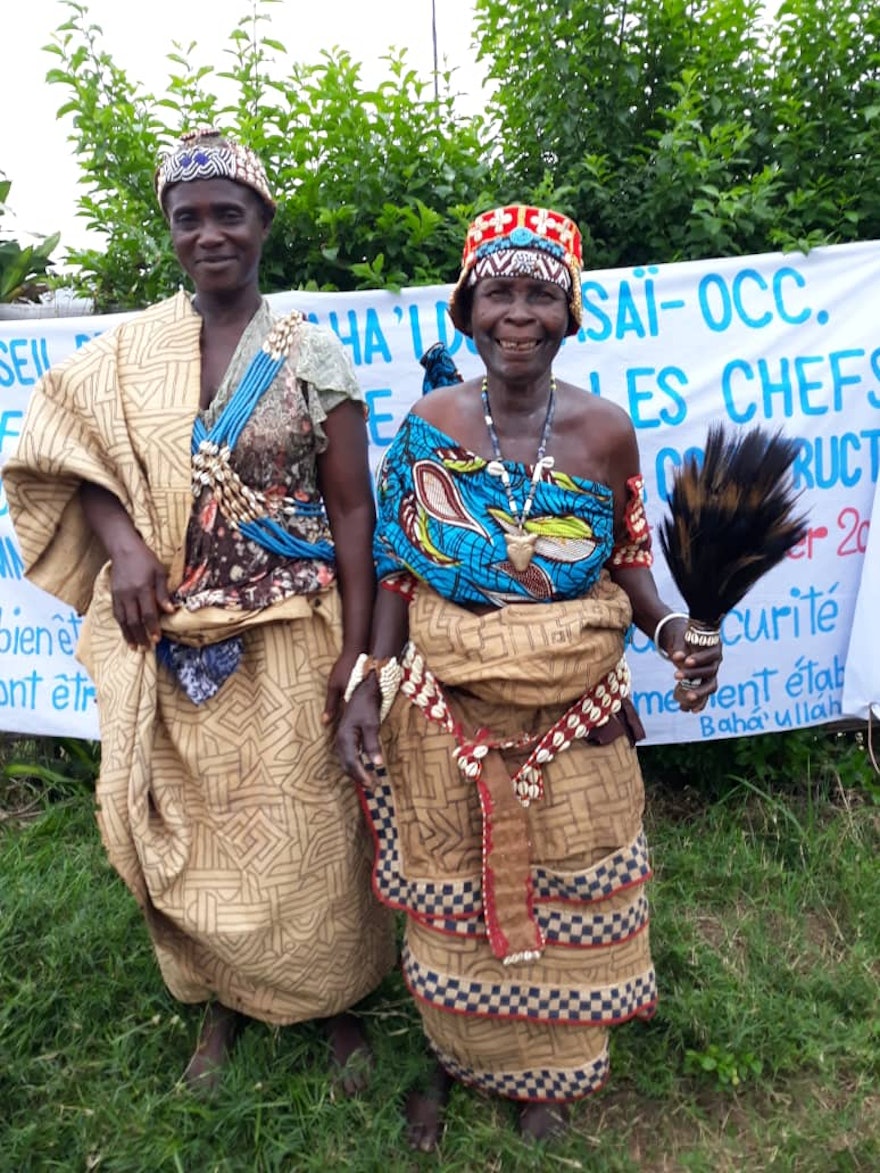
551	239
206	154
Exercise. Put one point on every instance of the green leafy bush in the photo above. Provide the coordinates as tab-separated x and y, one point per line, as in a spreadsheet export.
723	1069
54	767
375	185
686	129
677	130
22	266
819	763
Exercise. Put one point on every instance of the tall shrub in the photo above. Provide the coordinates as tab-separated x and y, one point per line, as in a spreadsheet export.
671	129
683	129
374	185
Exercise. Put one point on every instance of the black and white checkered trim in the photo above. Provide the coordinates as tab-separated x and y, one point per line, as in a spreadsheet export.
537	1001
593	931
560	926
538	1084
625	868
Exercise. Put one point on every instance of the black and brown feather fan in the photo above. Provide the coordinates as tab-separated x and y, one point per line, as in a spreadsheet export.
732	519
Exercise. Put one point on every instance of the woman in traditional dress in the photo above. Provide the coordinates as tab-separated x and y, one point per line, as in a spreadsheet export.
514	553
196	482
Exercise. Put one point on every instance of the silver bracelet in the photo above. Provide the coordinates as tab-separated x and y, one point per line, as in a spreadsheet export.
388	672
661	625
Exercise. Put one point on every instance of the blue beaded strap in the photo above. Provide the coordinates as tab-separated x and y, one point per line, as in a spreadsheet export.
261	373
266	532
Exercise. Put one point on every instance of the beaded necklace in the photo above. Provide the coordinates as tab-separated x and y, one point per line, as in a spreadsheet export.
520	545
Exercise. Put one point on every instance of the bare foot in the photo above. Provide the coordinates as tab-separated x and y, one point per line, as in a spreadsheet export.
350	1054
426	1110
220	1029
543	1122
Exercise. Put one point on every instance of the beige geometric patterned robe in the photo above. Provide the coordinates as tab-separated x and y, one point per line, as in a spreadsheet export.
231	822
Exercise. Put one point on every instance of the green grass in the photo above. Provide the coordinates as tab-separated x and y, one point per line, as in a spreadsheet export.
764	1053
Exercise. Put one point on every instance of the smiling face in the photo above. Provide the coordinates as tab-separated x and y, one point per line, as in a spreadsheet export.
217	228
518	324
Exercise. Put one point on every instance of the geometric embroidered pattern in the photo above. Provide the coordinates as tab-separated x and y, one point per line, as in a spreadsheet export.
205	154
462	899
536	1002
521	262
539	1084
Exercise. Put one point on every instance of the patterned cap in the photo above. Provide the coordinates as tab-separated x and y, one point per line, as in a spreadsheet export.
552	241
207	154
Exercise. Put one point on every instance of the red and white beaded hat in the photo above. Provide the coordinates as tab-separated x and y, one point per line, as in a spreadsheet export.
208	154
520	241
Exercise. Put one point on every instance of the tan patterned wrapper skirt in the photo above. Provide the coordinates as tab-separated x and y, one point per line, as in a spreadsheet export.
535	1029
233	823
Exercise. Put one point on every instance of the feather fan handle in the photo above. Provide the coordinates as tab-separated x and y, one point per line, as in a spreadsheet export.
732	519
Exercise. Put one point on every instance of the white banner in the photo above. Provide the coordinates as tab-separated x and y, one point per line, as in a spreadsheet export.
861	685
788	341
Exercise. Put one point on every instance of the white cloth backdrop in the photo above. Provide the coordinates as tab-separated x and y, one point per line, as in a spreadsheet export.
789	342
861	681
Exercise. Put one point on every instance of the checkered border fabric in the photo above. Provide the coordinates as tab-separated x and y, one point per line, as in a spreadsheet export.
537	1002
458	900
563	927
560	926
625	868
538	1084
